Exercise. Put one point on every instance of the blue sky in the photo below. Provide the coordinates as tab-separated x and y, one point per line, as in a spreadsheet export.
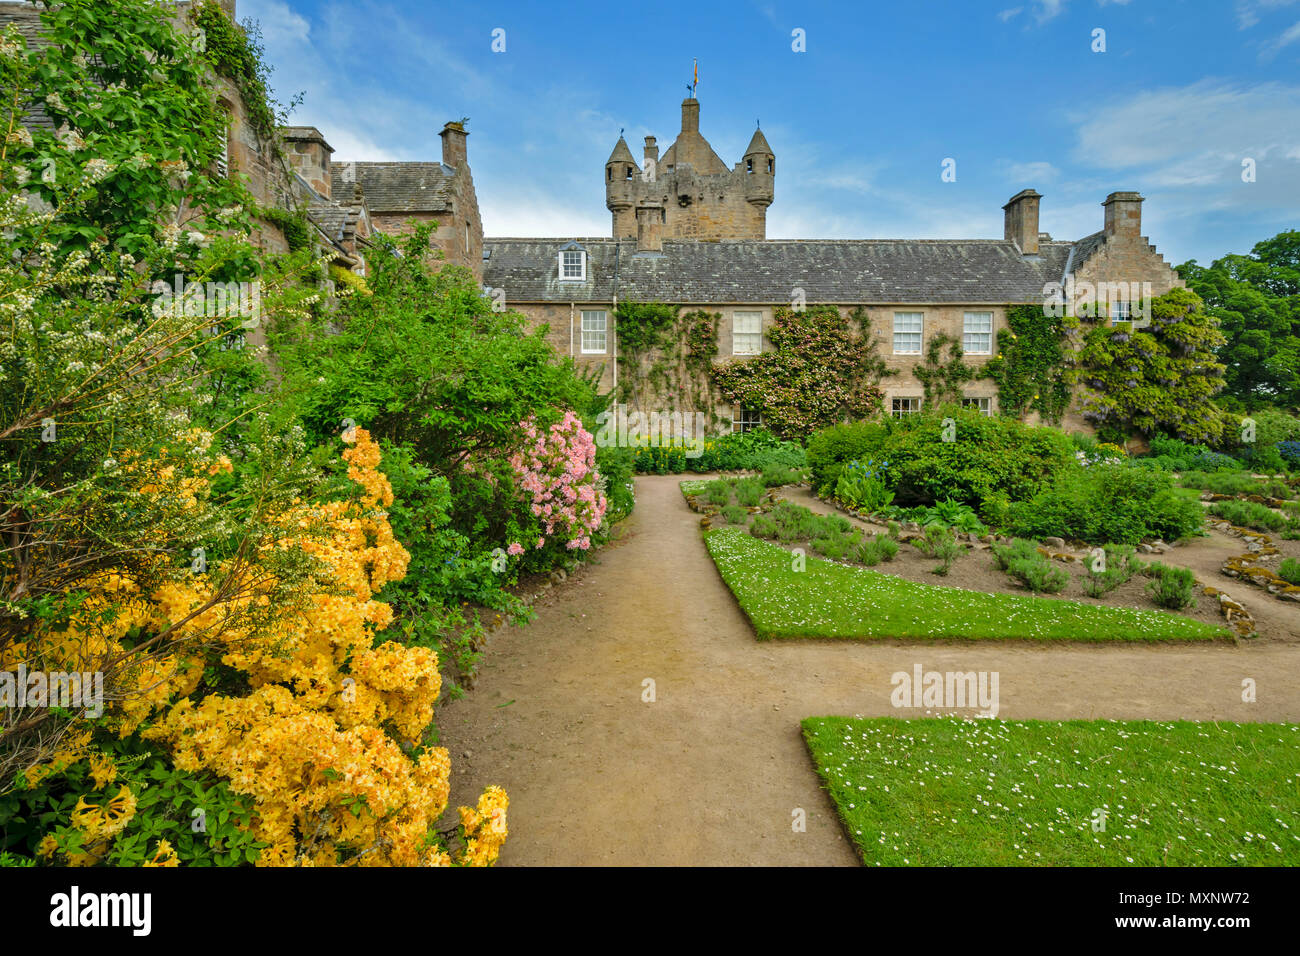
860	123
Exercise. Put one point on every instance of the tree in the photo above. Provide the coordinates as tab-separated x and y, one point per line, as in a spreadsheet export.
1256	299
1162	378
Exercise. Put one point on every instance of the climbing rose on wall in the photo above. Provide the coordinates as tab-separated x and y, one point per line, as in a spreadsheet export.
557	472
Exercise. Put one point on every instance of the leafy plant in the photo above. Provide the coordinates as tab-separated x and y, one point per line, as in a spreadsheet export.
1248	514
749	491
718	492
939	542
879	548
862	485
735	514
1173	588
1289	571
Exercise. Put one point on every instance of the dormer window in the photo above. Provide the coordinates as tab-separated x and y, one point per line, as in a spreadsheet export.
573	265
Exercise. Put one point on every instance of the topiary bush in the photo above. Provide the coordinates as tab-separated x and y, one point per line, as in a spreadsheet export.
830	449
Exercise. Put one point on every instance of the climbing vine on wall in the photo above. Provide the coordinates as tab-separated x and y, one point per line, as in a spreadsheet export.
1031	368
823	368
942	380
642	328
235	52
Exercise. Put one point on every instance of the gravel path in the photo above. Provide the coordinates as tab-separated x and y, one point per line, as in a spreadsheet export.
711	771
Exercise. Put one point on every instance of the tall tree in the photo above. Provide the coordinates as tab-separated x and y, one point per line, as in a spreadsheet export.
1256	299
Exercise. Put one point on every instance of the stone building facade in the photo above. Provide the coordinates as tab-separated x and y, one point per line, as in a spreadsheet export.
691	255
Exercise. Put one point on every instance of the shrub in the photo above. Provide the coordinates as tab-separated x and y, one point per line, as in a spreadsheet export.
749	491
1108	503
1018	549
1039	574
1249	514
1120	564
834	546
776	474
876	549
718	492
830	449
893	529
939	542
1173	587
735	514
1289	571
989	456
763	527
1234	483
1290	452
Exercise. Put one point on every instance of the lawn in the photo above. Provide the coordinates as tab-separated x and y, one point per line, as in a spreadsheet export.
986	792
832	600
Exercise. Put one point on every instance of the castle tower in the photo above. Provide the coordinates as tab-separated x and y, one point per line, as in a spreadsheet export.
701	198
621	173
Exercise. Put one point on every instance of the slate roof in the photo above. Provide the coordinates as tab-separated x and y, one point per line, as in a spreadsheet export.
397	187
849	271
1086	248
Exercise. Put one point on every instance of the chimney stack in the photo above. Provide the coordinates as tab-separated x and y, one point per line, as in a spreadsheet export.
309	155
649	227
690	115
1123	215
453	145
1020	224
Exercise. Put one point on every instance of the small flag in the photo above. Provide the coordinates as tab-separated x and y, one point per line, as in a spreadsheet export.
695	81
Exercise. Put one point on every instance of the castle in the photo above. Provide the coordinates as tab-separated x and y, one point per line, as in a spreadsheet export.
690	193
688	231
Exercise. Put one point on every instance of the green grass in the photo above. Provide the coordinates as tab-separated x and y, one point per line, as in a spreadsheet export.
986	792
831	600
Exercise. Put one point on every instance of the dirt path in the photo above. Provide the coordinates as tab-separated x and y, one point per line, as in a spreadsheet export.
710	772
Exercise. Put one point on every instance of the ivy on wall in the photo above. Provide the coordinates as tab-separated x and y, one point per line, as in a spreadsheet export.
642	329
1032	367
235	52
823	369
942	380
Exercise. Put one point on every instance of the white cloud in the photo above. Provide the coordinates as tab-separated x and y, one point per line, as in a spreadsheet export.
1028	173
1287	37
1006	15
1248	11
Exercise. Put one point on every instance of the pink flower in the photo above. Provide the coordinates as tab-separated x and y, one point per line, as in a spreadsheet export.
515	548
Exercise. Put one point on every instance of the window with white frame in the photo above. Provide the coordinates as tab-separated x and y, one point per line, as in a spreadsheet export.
982	405
977	333
1120	312
593	332
746	419
904	406
746	333
908	327
573	265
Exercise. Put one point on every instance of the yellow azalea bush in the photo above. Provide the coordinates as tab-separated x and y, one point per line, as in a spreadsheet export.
327	742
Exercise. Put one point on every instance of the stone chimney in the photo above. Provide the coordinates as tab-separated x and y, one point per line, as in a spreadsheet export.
453	145
649	227
1020	224
690	115
309	155
1123	216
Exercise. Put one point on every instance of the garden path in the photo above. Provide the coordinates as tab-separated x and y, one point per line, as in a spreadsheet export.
713	769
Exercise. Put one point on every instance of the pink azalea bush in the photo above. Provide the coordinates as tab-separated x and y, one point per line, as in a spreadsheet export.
556	470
